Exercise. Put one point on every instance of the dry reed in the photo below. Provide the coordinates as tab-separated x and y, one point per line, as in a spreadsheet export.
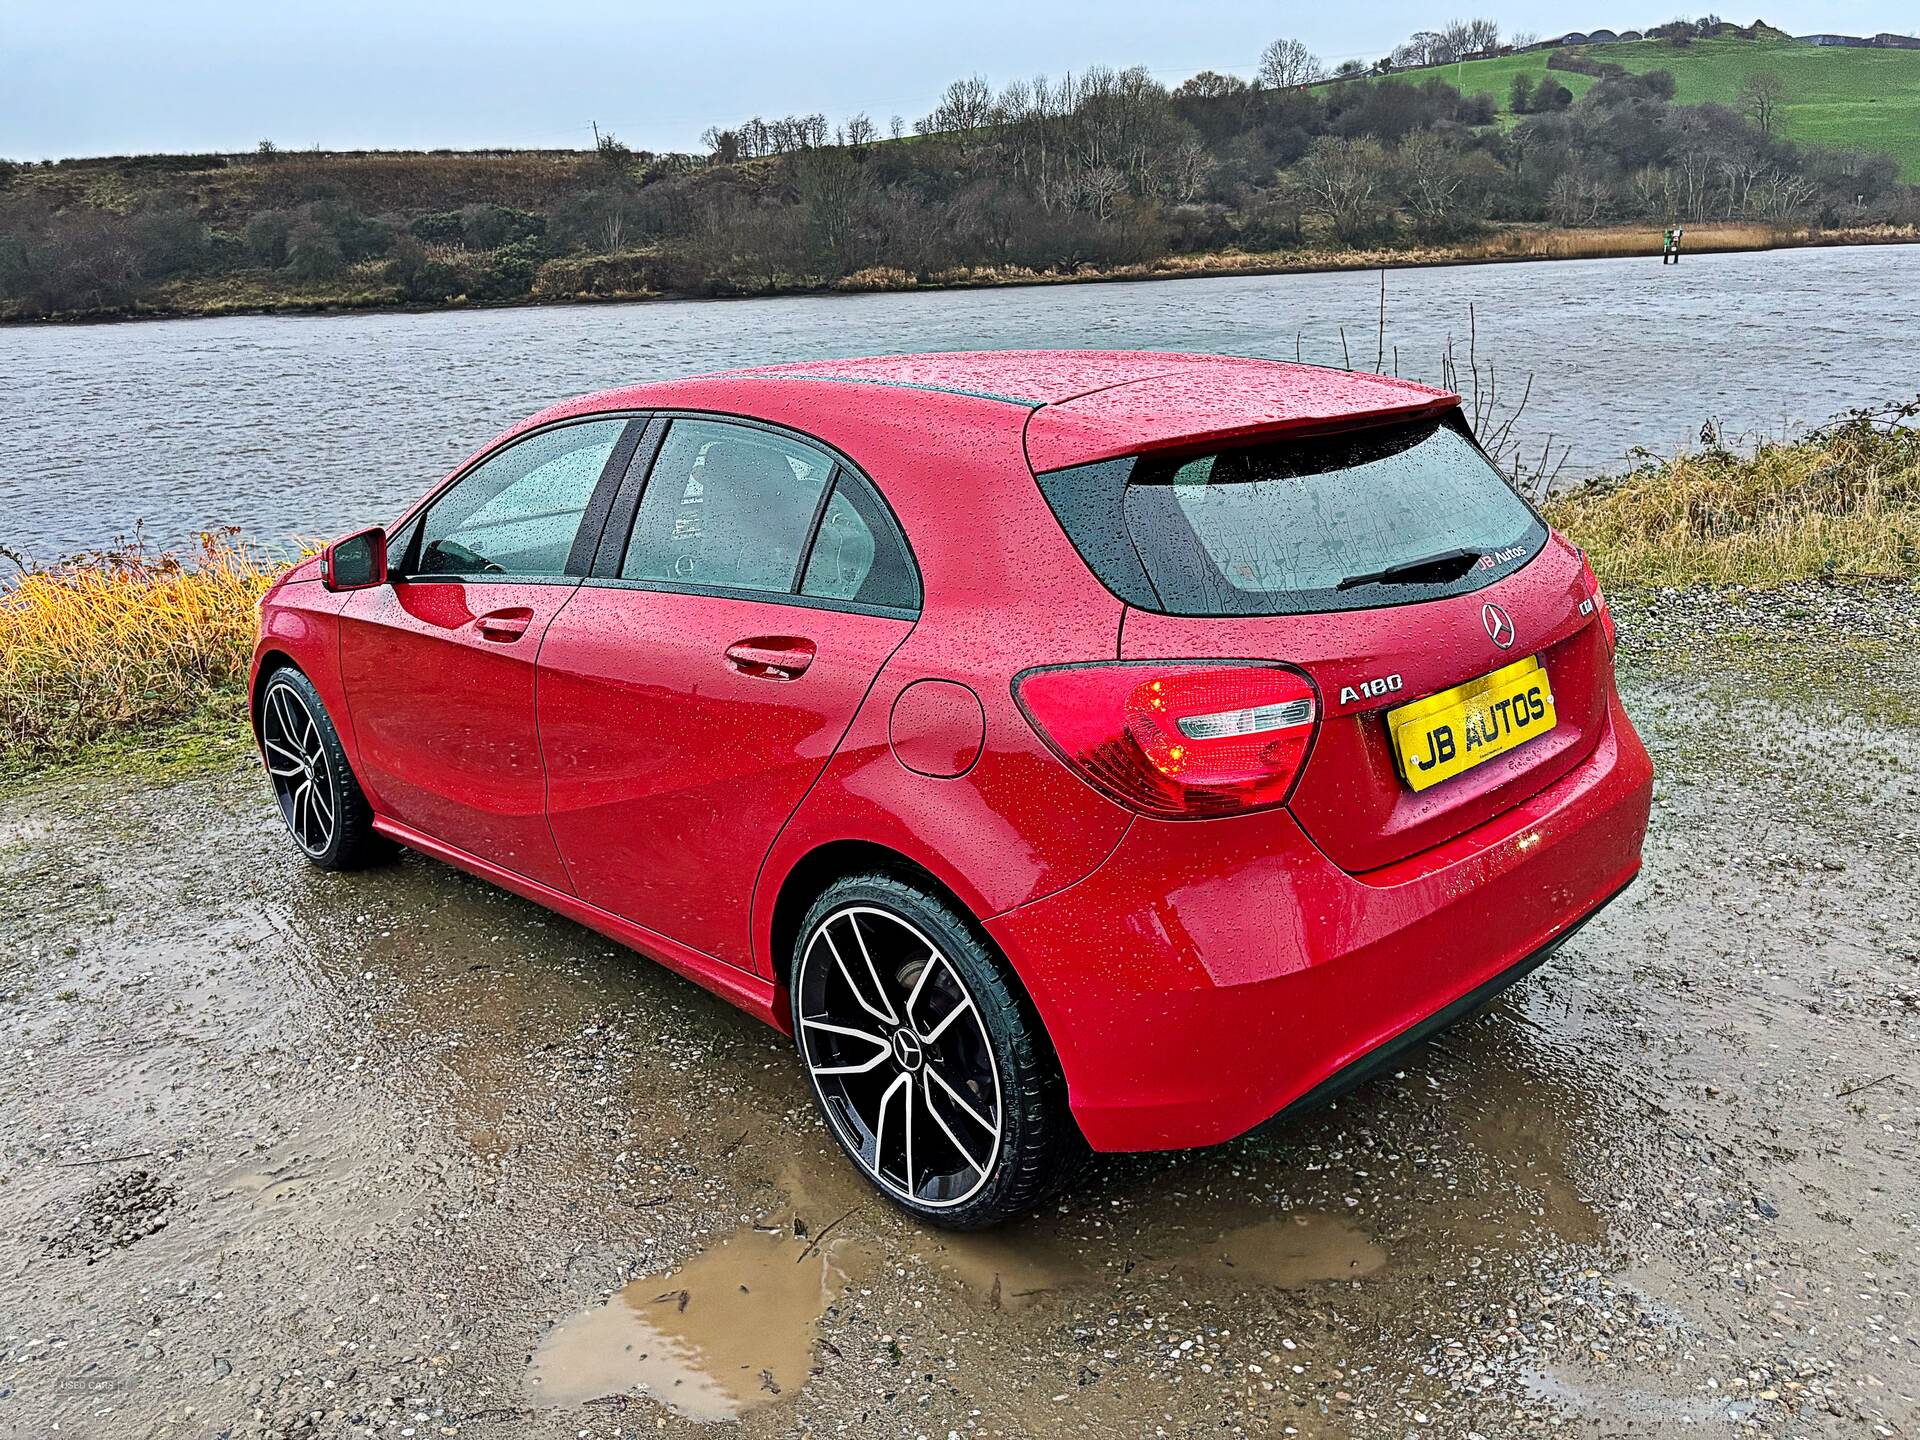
1842	502
123	640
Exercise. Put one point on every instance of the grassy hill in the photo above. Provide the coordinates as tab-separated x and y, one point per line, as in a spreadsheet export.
1835	96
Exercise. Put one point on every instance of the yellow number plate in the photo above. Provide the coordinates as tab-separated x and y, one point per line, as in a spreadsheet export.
1436	738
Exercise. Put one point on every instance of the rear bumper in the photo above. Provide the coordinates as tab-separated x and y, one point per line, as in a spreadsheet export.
1210	975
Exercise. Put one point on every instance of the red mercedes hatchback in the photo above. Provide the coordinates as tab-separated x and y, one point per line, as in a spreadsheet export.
1070	749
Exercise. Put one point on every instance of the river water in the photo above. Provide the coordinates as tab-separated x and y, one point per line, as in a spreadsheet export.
307	426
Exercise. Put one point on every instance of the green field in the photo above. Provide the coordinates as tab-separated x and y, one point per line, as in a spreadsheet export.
1868	98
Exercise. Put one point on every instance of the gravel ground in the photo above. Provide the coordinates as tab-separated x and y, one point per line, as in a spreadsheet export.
289	1154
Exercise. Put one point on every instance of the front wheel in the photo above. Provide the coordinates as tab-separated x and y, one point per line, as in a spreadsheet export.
325	810
930	1072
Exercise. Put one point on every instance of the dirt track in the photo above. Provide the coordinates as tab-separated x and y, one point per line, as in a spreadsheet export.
262	1176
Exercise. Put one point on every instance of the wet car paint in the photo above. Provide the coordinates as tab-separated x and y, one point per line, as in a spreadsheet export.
614	764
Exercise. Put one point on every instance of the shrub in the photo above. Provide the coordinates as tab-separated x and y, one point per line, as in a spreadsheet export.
421	275
440	227
487	227
629	274
360	237
171	242
313	252
1551	95
509	271
267	234
123	639
1584	65
67	262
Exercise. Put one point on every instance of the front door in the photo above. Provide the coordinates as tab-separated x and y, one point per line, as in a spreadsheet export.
691	693
439	665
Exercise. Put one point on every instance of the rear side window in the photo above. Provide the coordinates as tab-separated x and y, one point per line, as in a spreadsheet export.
729	506
858	553
1373	517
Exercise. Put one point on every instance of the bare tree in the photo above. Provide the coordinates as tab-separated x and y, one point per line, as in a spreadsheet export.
1456	37
1761	98
1431	182
1288	64
1781	197
1211	85
1420	48
1188	166
965	107
1482	36
1345	183
1578	199
830	185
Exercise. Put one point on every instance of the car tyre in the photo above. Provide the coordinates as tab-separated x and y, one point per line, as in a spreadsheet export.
321	803
924	1057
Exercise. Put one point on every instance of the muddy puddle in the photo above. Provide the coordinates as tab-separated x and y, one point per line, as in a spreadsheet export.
737	1326
731	1330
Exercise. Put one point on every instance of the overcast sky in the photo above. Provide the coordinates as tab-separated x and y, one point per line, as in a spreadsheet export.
93	77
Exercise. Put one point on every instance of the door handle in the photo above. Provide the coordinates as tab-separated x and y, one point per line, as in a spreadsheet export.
771	657
509	624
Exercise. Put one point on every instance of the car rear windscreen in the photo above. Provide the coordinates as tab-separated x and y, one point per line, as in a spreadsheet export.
1381	516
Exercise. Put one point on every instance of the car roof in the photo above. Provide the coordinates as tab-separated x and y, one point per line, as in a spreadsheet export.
1073	406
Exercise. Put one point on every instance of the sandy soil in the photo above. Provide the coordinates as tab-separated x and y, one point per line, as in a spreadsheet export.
292	1154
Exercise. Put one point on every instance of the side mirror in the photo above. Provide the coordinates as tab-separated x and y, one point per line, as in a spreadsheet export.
358	562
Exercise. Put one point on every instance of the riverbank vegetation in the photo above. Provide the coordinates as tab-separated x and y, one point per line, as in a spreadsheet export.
1106	173
1842	503
143	652
124	642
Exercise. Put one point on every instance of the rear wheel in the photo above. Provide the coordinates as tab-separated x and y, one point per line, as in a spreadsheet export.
930	1072
325	810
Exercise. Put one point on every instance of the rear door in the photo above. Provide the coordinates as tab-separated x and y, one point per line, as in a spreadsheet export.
741	604
438	665
1390	564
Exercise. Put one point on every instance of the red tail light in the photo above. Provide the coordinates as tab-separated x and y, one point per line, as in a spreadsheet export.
1182	739
1590	583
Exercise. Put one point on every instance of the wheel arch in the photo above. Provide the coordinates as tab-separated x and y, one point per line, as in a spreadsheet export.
808	878
269	664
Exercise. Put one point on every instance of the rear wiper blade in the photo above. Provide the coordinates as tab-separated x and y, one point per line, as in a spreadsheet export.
1446	565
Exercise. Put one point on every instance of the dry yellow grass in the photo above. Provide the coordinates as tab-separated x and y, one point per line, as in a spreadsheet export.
122	640
1845	501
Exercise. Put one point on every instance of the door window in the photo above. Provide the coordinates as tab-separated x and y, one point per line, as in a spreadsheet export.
516	513
729	506
859	553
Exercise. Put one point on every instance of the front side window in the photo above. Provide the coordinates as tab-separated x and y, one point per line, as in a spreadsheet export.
729	506
516	513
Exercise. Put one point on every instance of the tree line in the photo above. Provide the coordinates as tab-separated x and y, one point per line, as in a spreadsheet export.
1106	167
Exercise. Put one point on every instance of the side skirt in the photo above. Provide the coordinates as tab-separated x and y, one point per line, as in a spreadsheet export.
748	991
